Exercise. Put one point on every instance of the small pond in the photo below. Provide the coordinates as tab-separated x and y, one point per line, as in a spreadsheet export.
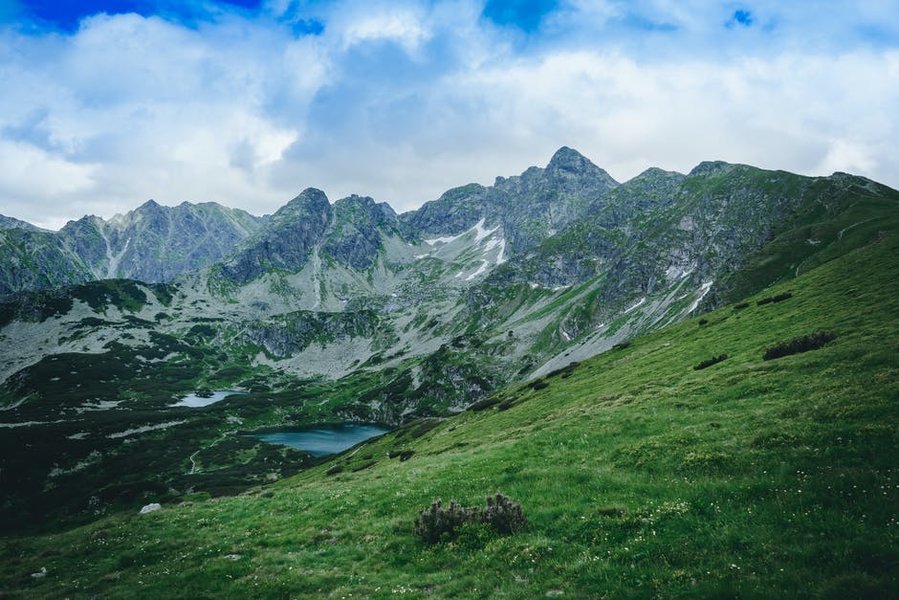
324	439
194	401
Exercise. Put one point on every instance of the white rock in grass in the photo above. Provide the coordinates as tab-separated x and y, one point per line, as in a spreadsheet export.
153	506
40	574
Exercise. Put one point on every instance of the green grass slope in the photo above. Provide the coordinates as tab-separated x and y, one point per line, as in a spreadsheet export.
640	476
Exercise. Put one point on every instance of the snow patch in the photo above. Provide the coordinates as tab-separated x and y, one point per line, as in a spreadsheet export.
444	240
675	272
491	245
703	290
480	270
99	405
144	429
635	306
29	423
501	257
481	233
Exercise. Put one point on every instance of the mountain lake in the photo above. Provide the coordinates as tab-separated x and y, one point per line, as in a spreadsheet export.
321	440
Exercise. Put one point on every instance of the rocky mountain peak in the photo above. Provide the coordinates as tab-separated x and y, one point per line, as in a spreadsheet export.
568	163
710	167
12	223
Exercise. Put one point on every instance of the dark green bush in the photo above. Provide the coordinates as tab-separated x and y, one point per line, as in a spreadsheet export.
741	306
505	516
438	523
803	343
484	404
709	362
538	384
703	321
773	299
621	345
403	455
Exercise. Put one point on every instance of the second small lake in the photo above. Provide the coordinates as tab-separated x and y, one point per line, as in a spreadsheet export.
321	440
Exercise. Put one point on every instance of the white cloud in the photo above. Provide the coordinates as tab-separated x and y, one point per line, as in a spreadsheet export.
404	100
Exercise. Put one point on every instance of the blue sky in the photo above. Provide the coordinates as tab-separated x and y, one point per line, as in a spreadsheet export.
109	102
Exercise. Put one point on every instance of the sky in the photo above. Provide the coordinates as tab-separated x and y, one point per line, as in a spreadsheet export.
107	103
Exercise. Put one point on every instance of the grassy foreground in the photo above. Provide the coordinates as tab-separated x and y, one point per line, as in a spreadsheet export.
640	476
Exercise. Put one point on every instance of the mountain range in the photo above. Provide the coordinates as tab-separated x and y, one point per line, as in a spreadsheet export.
349	311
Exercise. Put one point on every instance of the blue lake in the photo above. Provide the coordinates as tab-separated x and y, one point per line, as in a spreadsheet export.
194	401
324	439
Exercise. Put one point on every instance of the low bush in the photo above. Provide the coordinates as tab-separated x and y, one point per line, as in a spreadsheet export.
741	306
803	343
564	371
709	362
773	299
484	404
621	345
538	384
403	455
443	523
703	321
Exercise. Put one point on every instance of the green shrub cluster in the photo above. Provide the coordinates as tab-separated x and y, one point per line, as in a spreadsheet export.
803	343
709	362
441	523
773	299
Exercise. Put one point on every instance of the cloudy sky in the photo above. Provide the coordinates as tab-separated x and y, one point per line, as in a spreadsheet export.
106	103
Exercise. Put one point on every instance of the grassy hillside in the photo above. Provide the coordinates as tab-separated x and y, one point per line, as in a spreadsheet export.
640	477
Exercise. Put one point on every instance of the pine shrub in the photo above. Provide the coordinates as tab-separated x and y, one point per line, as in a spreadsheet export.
803	343
503	515
438	522
773	299
709	362
442	523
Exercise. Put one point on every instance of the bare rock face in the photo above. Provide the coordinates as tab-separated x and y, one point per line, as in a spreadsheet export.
152	243
286	241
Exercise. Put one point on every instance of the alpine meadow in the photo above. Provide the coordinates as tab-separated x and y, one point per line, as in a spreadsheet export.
672	381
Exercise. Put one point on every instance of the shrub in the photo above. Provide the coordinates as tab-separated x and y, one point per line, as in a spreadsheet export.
703	321
621	345
425	426
773	299
403	455
709	362
503	515
484	404
538	384
741	306
803	343
564	371
438	523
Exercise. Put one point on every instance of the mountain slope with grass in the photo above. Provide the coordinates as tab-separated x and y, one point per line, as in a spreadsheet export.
640	476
